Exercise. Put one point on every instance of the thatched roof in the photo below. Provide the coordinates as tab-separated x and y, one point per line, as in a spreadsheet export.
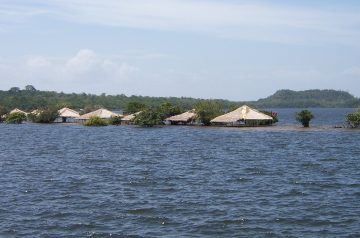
130	117
67	112
102	113
242	113
184	117
16	110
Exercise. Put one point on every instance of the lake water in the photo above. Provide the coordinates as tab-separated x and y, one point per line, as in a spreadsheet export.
124	181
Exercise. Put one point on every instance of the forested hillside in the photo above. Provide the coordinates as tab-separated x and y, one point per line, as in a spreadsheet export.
29	99
309	98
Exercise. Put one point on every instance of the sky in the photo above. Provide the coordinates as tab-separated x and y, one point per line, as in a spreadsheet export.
230	49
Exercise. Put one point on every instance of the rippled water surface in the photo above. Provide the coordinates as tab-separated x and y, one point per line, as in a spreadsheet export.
74	181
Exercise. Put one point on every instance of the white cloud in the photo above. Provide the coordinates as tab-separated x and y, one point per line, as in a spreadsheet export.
85	60
97	74
85	71
241	20
86	64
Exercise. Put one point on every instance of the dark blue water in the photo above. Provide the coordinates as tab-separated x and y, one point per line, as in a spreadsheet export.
75	181
323	117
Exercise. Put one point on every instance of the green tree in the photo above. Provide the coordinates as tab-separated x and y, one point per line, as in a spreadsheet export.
274	115
167	110
3	112
304	117
14	90
30	88
45	115
207	110
15	118
96	121
353	119
133	107
63	104
115	120
148	118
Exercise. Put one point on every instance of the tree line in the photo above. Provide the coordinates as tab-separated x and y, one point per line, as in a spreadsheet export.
29	98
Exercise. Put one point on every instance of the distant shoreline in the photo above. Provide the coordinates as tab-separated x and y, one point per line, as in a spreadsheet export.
30	99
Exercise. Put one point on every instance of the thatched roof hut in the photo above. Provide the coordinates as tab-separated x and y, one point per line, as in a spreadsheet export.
102	113
244	115
67	112
184	118
128	119
67	115
16	110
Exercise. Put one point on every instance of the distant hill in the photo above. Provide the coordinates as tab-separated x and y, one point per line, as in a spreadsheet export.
308	98
29	99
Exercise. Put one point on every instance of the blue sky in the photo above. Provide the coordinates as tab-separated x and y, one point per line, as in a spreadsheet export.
238	50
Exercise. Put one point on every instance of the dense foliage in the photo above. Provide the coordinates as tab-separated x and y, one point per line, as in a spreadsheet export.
15	118
133	107
3	112
207	110
47	115
304	117
167	110
96	121
155	116
115	121
274	115
353	119
148	118
29	99
308	98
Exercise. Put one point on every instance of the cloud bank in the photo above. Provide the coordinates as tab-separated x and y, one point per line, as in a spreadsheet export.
246	20
88	72
85	70
212	48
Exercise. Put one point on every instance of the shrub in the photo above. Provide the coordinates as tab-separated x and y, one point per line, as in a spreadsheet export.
274	115
32	117
148	118
304	117
167	110
45	116
3	112
115	120
353	119
207	110
96	121
133	107
15	118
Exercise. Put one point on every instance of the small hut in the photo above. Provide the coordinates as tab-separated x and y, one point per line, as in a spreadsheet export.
67	115
129	119
102	113
243	116
16	110
186	118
